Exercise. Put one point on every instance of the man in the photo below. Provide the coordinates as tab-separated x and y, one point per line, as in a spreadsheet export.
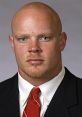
37	40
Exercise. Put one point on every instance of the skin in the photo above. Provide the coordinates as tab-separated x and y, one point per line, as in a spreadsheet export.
37	40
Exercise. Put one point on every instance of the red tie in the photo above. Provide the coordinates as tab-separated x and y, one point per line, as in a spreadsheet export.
32	108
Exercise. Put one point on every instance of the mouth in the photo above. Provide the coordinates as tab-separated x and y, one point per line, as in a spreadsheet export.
35	62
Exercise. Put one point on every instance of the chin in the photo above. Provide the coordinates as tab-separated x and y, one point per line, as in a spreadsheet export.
36	74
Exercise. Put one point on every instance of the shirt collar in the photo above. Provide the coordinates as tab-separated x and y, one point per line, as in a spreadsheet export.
47	89
24	89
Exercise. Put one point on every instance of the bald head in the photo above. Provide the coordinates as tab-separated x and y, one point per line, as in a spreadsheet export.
37	40
41	8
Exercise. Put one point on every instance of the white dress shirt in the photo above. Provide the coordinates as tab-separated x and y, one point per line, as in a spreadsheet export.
48	89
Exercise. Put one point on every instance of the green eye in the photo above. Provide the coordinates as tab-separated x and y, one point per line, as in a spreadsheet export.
22	39
45	38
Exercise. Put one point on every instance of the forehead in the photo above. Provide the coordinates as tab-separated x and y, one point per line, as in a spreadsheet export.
36	16
32	23
34	13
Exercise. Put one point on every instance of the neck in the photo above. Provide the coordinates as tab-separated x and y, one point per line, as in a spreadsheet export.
36	81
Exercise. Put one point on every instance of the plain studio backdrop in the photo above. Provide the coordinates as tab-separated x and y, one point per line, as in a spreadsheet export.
70	12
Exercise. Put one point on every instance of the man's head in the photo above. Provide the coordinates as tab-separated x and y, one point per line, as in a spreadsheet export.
35	6
37	40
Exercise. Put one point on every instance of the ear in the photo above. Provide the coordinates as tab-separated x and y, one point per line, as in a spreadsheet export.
63	38
11	40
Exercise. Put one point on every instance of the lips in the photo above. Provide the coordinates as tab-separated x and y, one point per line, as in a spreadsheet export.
35	61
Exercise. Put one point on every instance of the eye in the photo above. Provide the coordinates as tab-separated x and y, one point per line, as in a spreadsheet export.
22	39
45	38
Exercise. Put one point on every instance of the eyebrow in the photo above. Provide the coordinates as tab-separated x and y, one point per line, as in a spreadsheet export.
19	36
38	35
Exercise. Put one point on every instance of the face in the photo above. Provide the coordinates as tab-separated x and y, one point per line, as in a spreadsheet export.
37	45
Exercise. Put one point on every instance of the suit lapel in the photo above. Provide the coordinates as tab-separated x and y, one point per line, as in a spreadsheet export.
63	101
10	106
14	98
64	98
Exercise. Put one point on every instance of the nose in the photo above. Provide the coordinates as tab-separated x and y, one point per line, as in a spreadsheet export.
34	46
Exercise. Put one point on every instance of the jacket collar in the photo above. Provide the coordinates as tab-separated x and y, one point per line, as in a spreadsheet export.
64	98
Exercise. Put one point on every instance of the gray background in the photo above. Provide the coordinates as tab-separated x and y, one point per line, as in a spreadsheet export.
70	12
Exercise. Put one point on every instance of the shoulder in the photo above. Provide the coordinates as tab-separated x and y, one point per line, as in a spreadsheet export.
71	76
9	80
8	84
74	81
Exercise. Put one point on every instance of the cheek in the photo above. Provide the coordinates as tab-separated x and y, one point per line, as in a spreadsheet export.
19	52
49	50
52	52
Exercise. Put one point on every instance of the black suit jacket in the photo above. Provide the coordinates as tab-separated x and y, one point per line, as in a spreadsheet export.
66	102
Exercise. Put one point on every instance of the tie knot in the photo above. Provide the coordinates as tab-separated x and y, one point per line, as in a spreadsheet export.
35	92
